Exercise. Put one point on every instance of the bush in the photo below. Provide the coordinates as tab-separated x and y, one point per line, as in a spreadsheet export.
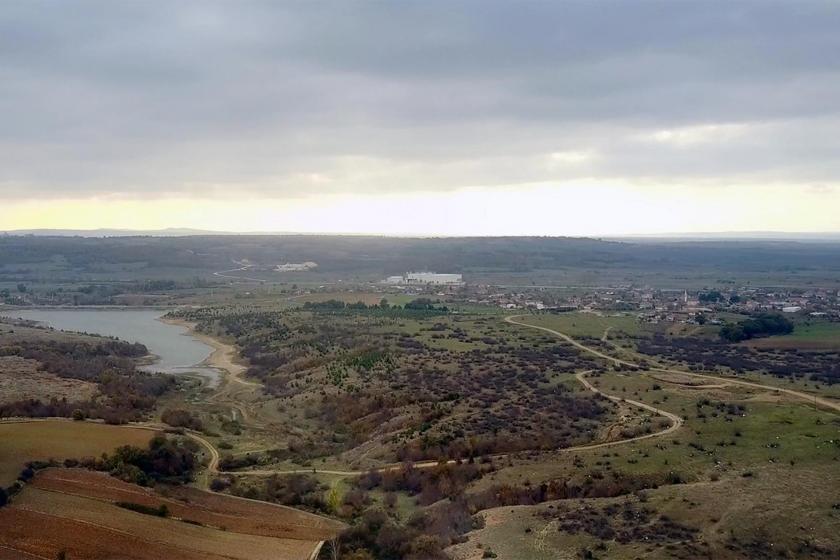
161	511
166	460
181	418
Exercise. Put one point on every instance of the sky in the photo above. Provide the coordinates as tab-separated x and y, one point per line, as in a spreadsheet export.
421	117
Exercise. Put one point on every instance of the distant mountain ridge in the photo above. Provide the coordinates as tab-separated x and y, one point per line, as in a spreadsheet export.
658	237
103	232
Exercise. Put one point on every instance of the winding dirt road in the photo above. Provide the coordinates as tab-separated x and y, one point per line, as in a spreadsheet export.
675	422
811	399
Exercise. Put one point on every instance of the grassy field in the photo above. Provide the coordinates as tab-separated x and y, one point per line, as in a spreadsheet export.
22	442
749	459
817	335
440	358
732	518
588	324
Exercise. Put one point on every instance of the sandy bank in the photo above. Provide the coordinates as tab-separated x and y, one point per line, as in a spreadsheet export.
224	355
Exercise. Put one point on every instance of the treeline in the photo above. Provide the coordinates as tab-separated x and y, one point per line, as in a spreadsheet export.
168	460
104	293
420	307
373	257
129	393
766	324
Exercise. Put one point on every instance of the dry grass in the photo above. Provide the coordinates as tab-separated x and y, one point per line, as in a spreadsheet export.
747	509
20	379
57	439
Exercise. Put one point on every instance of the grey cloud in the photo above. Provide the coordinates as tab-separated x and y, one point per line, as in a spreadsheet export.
140	97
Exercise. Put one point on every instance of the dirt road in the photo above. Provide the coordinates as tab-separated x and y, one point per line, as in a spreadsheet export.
811	399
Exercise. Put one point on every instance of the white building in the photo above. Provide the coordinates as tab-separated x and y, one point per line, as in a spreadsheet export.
425	279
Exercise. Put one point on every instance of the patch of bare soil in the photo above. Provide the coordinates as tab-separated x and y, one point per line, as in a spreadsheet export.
20	379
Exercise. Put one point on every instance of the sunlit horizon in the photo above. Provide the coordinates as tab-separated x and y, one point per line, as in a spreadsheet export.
583	210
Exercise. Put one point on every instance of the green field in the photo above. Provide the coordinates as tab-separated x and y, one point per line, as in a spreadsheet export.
588	324
743	470
816	335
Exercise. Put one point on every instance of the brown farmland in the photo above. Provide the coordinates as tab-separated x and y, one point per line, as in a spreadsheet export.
60	439
80	508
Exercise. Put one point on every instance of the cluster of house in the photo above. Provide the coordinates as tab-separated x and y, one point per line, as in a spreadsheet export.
658	305
425	279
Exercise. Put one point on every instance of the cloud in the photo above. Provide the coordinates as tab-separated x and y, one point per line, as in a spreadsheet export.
293	99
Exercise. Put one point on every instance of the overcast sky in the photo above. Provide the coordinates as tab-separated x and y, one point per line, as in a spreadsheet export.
421	117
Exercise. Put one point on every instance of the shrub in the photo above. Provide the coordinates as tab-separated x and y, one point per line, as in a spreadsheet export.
161	511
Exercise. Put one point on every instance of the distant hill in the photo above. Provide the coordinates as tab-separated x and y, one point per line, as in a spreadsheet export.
182	232
168	232
499	260
736	236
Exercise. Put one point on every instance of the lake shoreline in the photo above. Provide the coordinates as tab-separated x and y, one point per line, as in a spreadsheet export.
171	348
223	355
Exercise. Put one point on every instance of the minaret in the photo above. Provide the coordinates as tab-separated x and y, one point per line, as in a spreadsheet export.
685	297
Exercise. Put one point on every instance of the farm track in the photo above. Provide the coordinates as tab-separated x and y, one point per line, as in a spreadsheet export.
675	421
811	399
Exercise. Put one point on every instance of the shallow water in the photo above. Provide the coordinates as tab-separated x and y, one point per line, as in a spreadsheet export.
177	351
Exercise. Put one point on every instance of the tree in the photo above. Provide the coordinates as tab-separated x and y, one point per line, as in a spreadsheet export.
711	297
333	500
766	324
21	288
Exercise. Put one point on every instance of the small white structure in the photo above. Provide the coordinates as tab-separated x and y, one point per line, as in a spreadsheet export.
791	309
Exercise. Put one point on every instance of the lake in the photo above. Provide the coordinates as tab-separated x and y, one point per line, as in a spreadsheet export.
177	352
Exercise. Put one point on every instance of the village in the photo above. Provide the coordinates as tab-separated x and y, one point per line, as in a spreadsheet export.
649	304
